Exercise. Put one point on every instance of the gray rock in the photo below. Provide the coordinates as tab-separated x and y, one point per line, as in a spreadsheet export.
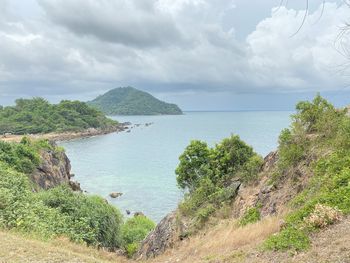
166	233
115	194
54	170
138	214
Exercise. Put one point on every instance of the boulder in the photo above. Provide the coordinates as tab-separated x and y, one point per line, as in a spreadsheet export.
115	194
75	185
138	214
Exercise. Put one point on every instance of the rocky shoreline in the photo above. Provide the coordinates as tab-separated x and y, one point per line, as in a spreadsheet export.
67	136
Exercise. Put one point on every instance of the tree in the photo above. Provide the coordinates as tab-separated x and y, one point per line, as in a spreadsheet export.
194	165
229	156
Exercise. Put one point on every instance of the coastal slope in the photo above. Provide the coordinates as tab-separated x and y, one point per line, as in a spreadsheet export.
130	101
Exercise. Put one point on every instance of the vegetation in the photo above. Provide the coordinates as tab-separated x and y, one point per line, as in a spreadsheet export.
59	211
210	174
31	116
130	101
252	215
134	231
318	138
317	142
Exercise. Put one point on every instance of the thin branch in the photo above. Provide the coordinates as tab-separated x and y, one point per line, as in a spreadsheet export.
323	6
279	7
304	19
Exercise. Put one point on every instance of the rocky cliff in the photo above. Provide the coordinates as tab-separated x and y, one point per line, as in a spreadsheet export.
53	170
271	197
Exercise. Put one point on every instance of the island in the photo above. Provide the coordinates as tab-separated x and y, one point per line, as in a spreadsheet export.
65	120
131	101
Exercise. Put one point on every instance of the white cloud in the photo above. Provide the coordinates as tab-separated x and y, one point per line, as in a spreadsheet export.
306	61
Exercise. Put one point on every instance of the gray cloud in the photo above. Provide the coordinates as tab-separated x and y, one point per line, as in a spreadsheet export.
165	46
128	22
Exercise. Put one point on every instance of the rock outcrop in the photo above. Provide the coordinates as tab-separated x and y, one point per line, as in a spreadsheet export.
164	236
53	170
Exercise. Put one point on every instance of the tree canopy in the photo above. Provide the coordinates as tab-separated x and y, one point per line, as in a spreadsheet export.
37	115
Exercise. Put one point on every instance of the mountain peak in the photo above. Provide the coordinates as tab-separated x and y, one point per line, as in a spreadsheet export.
131	101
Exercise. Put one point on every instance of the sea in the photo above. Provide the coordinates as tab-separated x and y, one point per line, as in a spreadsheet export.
141	163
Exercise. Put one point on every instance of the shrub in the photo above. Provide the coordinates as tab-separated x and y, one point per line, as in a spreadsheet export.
252	215
322	216
100	219
251	169
133	231
288	239
203	214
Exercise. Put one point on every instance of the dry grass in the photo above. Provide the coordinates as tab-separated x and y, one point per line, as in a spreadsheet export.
221	242
15	248
225	243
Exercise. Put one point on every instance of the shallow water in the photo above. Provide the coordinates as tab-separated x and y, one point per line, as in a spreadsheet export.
141	164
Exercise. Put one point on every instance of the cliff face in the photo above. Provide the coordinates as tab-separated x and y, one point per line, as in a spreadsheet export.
53	170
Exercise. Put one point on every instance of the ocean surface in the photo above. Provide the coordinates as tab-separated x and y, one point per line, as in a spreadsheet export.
141	163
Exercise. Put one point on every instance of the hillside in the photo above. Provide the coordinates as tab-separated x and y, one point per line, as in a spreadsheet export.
32	116
292	207
130	101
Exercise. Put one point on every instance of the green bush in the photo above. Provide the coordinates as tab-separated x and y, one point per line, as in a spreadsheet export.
252	215
56	212
208	174
133	231
288	239
22	157
101	220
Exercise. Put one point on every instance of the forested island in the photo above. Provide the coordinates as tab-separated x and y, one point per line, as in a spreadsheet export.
37	115
131	101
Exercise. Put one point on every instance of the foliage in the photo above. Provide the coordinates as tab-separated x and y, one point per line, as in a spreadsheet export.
228	157
52	213
252	215
23	156
288	239
31	116
134	231
130	101
193	165
101	220
322	132
209	174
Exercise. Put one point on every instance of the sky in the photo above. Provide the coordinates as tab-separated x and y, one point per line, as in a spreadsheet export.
200	54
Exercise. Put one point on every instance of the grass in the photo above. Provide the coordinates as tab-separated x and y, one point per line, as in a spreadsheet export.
16	248
226	240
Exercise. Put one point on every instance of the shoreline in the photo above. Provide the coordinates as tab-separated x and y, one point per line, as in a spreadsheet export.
66	136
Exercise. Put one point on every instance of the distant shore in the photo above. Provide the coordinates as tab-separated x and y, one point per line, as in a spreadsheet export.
65	136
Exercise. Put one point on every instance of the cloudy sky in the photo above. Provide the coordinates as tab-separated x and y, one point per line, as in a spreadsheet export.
201	54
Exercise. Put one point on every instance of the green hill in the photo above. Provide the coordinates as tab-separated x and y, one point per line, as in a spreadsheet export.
130	101
31	116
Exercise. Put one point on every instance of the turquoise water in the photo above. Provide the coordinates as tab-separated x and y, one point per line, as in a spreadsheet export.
141	164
